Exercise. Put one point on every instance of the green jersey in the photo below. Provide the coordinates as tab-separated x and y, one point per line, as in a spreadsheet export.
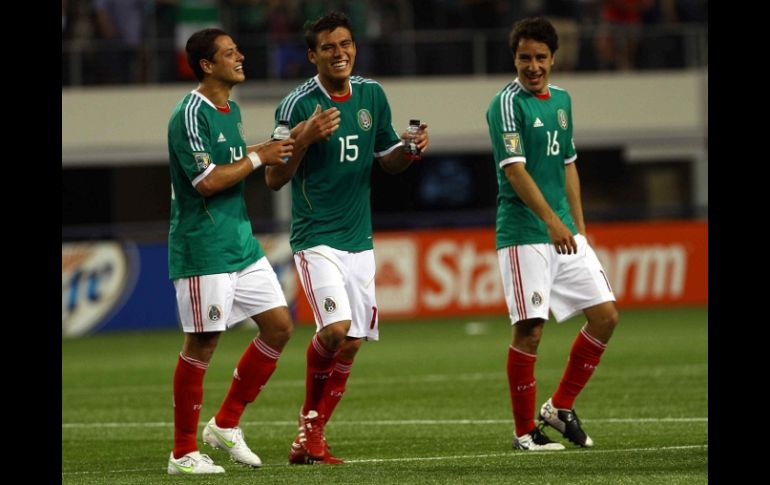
538	132
331	189
207	235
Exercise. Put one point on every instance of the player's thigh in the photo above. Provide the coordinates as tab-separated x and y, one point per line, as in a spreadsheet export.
580	282
204	302
257	290
322	277
526	274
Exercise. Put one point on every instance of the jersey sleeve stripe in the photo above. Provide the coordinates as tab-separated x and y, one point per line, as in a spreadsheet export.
203	174
571	159
511	160
385	152
507	111
293	97
191	124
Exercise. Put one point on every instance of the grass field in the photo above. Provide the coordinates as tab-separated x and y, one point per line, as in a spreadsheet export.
427	404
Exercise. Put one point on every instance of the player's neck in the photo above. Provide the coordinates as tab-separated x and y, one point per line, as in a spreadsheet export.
336	88
218	94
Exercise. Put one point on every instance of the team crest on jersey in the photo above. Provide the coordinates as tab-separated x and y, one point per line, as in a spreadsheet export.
364	119
329	304
241	130
215	313
202	160
512	143
562	115
537	299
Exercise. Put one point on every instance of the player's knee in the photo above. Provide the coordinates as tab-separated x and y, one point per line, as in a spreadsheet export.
350	349
611	319
333	336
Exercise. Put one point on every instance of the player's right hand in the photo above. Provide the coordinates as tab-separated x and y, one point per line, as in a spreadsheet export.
276	152
321	124
562	239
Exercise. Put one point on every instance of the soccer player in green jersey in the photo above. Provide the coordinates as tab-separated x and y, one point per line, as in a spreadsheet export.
331	229
218	268
545	260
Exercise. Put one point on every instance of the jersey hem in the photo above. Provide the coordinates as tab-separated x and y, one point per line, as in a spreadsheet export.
227	269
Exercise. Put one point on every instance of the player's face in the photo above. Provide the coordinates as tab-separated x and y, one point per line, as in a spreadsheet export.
533	61
334	55
227	65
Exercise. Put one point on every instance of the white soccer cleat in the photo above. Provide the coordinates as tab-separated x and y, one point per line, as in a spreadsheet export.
230	440
536	440
193	463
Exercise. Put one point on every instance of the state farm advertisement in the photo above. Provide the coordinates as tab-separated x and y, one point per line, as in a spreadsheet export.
455	272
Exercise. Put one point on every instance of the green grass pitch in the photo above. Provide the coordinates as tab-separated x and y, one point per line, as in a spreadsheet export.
427	404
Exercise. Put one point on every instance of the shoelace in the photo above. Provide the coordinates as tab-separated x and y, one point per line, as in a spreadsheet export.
314	430
237	436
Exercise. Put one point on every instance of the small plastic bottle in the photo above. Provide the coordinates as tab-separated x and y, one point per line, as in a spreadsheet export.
282	132
412	151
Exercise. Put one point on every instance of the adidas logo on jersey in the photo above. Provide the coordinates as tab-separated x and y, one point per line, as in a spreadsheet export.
222	137
537	123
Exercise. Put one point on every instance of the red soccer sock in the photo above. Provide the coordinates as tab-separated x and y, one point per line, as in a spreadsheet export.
521	383
188	396
335	388
257	364
583	358
320	362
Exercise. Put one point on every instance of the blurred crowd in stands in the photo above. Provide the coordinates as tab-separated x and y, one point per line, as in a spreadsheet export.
142	41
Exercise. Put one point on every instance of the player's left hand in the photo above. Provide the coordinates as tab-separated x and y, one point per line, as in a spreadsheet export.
422	139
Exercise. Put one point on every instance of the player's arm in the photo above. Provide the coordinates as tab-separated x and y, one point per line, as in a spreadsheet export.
528	191
319	126
224	176
396	161
573	196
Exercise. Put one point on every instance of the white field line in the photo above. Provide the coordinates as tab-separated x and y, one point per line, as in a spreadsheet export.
680	370
509	454
394	422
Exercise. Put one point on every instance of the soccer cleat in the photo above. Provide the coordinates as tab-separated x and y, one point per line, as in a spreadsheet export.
298	455
193	463
536	440
566	422
230	440
312	426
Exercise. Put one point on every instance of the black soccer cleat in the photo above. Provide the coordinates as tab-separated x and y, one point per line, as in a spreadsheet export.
566	422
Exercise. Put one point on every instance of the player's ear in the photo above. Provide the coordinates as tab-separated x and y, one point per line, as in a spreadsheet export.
311	56
205	65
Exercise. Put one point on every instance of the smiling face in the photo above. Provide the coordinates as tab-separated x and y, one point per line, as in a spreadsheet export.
533	61
334	56
227	64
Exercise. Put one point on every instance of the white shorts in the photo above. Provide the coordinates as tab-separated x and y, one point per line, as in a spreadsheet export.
536	279
214	302
339	285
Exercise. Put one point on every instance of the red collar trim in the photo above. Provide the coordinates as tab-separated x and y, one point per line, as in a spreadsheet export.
543	96
224	109
341	99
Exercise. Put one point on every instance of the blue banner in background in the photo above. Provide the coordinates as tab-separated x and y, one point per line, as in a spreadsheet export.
111	285
116	286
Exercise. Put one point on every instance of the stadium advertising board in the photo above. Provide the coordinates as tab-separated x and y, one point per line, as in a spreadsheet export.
122	286
455	272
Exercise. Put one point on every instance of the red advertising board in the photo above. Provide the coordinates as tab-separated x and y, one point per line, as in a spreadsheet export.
455	272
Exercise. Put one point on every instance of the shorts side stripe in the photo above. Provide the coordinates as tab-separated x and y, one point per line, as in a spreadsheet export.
195	300
518	286
308	287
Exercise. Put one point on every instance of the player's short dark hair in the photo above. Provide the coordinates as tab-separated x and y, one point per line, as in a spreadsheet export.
329	22
202	45
535	28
